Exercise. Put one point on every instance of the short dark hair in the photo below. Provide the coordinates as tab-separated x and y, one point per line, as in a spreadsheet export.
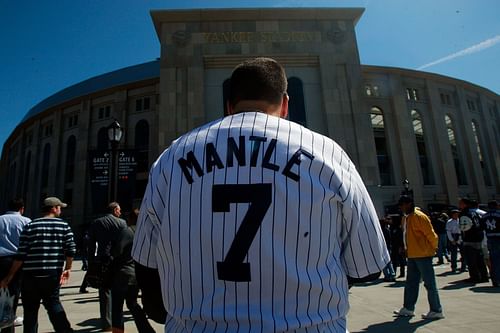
261	79
16	204
112	206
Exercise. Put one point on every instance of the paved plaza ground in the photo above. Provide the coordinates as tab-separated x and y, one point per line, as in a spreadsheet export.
468	308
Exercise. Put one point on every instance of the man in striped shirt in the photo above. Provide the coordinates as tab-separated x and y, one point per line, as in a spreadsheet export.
45	245
256	223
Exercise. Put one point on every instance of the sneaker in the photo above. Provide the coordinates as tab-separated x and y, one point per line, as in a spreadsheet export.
433	315
18	321
404	312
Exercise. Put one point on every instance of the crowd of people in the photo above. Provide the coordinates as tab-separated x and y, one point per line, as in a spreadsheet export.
467	236
267	241
36	258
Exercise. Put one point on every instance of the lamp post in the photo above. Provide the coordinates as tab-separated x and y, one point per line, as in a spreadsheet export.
115	133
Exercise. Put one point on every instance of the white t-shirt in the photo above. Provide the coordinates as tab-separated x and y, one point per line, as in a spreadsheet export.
253	223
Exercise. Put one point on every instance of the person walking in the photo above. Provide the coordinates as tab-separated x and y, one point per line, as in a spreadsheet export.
398	254
123	282
256	223
45	245
439	226
473	235
421	243
490	222
389	274
454	239
102	233
12	224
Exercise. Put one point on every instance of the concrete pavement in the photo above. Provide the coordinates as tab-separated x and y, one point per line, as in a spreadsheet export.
467	307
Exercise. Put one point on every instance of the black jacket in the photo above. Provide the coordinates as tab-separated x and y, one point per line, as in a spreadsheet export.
103	231
475	234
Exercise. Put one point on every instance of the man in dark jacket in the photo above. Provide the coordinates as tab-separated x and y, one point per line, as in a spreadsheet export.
123	282
102	232
491	225
472	236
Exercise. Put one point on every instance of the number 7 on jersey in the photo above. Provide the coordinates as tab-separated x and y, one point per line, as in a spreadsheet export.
260	197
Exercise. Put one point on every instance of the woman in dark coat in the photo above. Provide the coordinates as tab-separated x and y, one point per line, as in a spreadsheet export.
123	282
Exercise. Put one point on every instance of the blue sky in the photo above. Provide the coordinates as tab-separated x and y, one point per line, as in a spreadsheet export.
49	45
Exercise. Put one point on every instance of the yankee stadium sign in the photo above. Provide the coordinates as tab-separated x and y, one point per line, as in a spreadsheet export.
261	36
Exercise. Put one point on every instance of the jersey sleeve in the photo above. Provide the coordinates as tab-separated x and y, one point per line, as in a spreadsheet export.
149	221
364	249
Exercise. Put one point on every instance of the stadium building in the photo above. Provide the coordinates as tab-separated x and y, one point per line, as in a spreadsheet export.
440	133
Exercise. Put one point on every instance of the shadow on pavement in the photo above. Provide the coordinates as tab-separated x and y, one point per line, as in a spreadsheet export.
460	284
397	284
488	290
398	325
89	325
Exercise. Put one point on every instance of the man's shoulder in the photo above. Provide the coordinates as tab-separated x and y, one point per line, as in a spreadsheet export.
421	215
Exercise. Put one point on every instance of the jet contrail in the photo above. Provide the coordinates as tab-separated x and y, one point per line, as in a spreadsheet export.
470	50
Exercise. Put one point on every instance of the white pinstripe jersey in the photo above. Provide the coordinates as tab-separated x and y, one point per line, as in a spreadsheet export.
253	223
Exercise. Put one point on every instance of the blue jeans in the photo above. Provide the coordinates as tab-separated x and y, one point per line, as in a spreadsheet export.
494	248
389	271
421	268
45	289
442	246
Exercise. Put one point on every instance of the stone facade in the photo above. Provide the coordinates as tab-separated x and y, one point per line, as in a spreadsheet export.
342	99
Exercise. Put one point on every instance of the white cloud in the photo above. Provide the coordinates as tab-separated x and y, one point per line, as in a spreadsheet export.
470	50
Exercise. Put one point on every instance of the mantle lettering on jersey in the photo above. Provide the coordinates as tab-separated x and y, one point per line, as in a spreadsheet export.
190	165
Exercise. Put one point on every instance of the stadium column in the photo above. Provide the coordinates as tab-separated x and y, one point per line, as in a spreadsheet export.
410	167
81	203
445	177
472	160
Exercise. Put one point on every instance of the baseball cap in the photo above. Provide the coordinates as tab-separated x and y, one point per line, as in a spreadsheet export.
454	211
53	201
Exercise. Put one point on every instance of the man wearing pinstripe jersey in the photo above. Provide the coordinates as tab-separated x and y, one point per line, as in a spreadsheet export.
255	223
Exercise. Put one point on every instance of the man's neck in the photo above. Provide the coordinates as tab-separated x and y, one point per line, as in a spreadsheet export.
50	216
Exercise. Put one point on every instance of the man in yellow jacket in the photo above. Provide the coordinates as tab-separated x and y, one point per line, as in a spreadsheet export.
421	243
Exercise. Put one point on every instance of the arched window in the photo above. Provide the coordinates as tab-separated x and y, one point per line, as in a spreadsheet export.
45	166
296	105
69	169
26	174
383	157
225	94
459	169
425	165
102	139
475	131
142	145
